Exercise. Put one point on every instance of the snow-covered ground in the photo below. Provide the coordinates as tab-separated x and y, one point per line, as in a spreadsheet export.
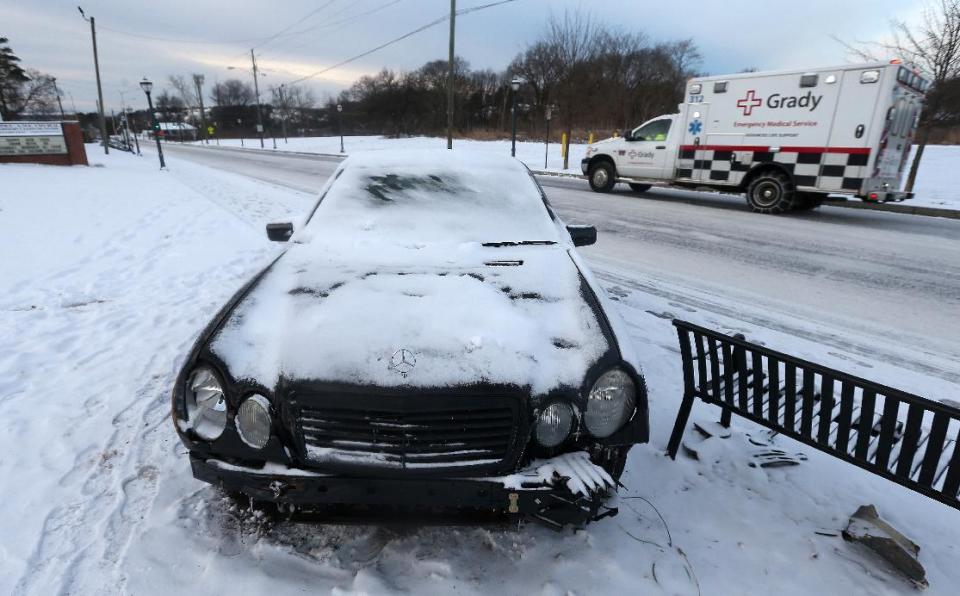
938	181
110	272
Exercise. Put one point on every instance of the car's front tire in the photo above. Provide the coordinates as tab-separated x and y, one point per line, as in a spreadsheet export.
603	175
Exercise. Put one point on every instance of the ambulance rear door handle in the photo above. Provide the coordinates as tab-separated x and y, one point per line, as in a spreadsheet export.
661	146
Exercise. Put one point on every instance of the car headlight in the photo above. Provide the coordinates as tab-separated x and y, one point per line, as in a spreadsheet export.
253	421
206	404
554	424
610	403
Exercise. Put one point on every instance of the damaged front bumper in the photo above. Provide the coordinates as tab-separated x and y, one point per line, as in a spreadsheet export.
561	491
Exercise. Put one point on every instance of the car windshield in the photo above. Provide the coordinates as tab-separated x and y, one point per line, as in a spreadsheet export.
436	198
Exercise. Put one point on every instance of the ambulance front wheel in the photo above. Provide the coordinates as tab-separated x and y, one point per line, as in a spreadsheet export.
771	192
602	176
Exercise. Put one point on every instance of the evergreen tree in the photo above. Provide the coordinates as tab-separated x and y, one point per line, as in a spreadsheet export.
12	79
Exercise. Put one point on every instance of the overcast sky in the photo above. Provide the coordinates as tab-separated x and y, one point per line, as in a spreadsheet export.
51	36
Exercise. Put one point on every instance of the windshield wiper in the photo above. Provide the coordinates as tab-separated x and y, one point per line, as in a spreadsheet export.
520	243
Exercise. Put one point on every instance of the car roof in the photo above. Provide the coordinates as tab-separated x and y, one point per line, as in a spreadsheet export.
449	159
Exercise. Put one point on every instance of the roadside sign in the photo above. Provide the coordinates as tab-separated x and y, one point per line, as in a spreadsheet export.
31	138
259	128
210	130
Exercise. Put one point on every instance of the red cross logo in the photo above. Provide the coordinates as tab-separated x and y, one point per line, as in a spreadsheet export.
749	102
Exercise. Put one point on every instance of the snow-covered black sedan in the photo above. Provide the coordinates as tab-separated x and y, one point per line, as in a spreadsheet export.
430	337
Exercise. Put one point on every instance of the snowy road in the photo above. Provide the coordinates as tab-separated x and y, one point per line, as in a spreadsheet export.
877	285
110	272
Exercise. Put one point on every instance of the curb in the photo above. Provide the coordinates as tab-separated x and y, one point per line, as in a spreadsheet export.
323	156
896	208
843	203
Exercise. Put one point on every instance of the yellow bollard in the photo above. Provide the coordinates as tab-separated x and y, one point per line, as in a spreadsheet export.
590	140
563	145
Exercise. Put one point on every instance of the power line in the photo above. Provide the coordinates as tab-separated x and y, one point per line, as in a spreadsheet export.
334	24
259	40
294	24
174	40
433	23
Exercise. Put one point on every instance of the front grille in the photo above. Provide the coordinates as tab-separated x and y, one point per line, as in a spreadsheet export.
425	434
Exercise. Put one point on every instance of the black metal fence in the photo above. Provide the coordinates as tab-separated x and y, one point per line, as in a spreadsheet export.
905	438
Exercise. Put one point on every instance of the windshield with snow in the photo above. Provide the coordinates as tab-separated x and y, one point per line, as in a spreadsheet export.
446	200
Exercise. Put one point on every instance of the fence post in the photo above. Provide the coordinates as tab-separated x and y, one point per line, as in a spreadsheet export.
688	395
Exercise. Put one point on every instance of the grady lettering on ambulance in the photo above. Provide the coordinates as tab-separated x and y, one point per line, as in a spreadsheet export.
809	100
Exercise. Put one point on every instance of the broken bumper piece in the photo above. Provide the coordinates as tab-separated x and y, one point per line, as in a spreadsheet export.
561	491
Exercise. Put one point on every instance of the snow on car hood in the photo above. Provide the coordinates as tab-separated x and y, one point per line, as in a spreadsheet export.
393	259
460	320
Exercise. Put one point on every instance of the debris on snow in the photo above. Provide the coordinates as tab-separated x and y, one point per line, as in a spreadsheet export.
581	476
869	529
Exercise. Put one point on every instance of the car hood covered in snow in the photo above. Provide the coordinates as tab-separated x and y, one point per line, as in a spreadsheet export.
490	315
414	276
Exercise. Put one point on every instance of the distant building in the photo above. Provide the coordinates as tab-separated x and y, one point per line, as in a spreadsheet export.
177	131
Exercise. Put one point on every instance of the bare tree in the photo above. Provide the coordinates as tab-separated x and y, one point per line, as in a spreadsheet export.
38	95
232	92
185	88
934	46
570	39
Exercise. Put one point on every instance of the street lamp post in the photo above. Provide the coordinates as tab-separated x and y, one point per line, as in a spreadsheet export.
147	87
340	124
515	85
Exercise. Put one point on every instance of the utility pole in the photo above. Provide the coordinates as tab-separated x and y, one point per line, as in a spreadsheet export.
256	90
450	68
96	67
283	114
198	81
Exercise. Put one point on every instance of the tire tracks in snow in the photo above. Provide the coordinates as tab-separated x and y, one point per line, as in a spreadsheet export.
82	542
111	486
843	342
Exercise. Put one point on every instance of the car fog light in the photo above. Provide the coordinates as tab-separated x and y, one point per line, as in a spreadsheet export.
610	403
554	424
206	404
253	421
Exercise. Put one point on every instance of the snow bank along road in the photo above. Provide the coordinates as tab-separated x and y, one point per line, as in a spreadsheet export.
108	273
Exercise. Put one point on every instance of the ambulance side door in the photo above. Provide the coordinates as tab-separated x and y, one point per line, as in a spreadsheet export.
645	150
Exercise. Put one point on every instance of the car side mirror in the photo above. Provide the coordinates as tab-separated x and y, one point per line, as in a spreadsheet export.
279	232
582	235
628	135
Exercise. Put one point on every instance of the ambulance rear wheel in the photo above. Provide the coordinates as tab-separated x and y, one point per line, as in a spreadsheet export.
639	187
602	176
771	192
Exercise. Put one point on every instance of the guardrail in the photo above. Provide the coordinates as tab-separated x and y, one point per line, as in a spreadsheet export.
904	438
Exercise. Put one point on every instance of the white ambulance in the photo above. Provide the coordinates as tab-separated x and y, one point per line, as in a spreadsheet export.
785	139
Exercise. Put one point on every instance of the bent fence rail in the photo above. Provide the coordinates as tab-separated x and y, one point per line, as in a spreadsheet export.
902	437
